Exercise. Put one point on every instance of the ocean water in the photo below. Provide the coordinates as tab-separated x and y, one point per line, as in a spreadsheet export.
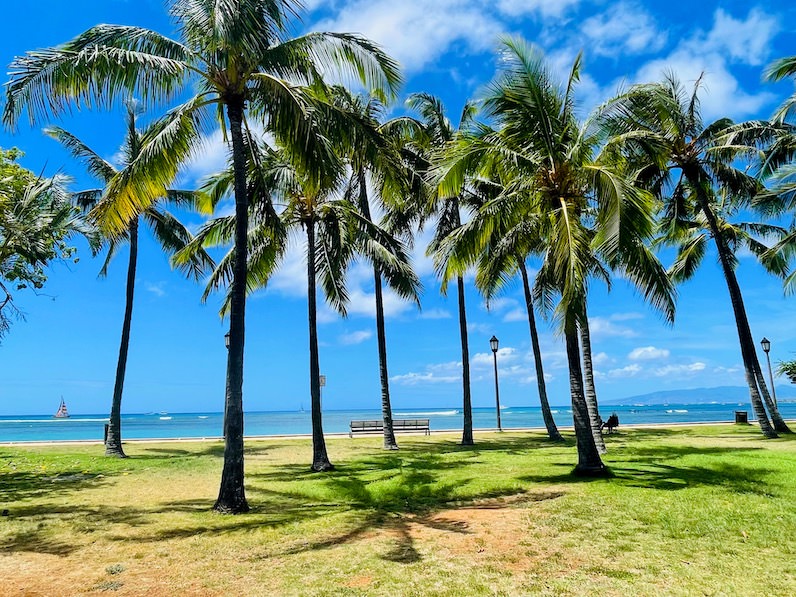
209	425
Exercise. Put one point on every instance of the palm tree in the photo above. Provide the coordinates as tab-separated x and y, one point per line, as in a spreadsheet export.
169	232
691	169
498	240
372	157
583	210
37	221
776	71
778	168
595	420
427	138
238	54
335	229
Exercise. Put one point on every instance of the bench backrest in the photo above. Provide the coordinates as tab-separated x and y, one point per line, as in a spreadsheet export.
362	424
410	423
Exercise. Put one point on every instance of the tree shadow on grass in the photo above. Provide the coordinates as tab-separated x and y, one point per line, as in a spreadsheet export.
27	485
657	467
370	500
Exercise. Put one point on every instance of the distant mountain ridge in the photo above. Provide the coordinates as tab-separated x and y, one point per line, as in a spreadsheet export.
699	396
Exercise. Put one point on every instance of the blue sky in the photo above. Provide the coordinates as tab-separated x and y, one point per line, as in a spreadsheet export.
68	344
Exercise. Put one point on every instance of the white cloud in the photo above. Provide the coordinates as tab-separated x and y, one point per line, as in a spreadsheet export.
413	379
363	302
626	316
628	371
689	369
511	365
155	288
747	42
517	314
545	8
600	358
418	33
626	29
647	353
505	355
211	157
356	337
601	327
434	314
479	328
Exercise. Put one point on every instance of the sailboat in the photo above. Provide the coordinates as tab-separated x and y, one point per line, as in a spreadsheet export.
62	413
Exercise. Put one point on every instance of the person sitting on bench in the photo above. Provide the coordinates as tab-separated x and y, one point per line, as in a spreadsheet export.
611	423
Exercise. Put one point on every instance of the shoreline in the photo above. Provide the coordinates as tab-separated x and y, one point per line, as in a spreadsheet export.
483	430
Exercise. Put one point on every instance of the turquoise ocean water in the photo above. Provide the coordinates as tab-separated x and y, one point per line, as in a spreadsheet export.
209	425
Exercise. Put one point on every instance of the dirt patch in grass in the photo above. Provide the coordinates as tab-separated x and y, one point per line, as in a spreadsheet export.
493	530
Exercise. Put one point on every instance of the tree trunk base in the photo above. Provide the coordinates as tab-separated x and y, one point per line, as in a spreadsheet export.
239	508
770	434
782	427
465	442
114	451
557	437
591	471
322	467
391	446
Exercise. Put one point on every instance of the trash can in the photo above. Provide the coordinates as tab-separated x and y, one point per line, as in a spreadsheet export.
741	416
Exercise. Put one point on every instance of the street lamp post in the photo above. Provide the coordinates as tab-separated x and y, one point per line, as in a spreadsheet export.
766	344
493	344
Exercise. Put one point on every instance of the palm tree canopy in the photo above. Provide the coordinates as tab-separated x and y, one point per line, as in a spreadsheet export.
683	160
236	51
168	231
553	193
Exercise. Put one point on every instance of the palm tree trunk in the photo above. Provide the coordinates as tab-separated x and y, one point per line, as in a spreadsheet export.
320	460
547	415
386	408
591	392
467	432
748	353
773	409
589	462
113	443
231	494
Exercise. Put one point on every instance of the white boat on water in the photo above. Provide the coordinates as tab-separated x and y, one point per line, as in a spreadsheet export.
61	413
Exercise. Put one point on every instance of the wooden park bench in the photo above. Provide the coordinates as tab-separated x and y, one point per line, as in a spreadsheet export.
397	425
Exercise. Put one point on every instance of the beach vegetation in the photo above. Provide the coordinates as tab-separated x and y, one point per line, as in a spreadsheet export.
38	222
372	154
323	207
557	195
170	234
687	510
694	171
241	59
426	139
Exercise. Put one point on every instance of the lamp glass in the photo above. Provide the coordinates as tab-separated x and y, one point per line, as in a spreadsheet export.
226	339
493	343
766	344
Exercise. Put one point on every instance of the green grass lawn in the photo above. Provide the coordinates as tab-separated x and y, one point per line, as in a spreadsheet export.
707	510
